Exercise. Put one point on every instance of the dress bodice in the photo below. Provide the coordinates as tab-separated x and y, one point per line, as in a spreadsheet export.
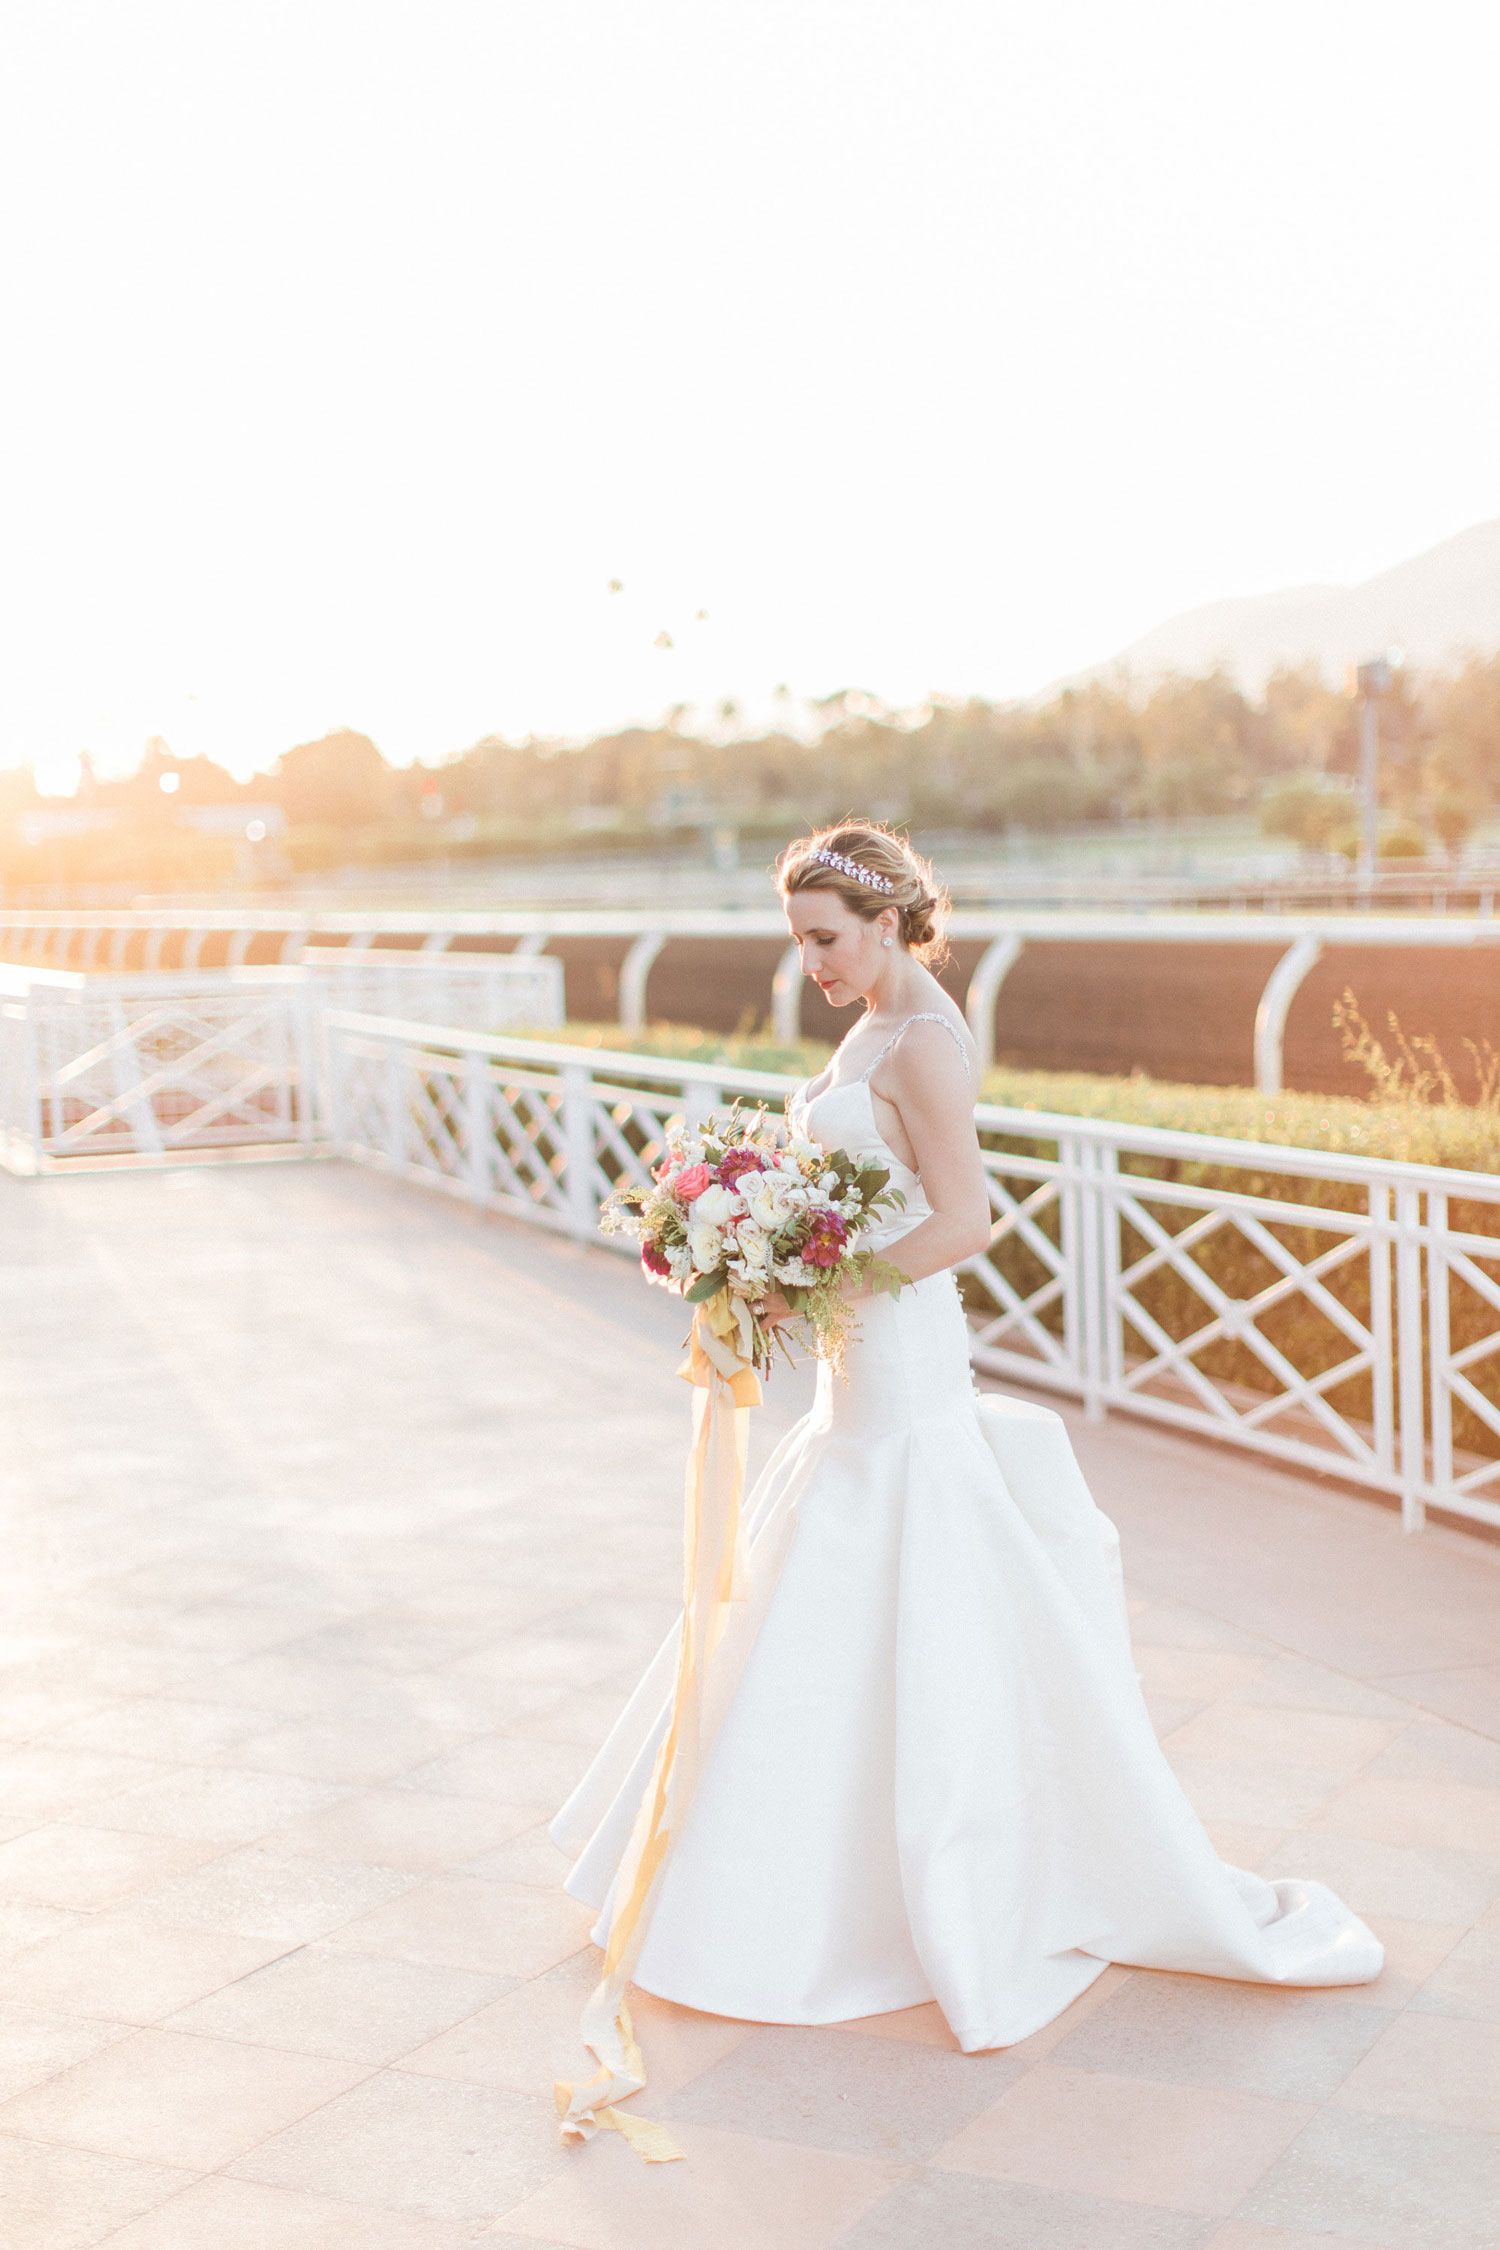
843	1116
855	1130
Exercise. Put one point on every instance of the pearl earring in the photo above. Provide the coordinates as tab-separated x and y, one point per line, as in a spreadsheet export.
885	941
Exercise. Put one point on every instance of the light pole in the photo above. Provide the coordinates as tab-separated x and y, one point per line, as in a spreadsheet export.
1370	681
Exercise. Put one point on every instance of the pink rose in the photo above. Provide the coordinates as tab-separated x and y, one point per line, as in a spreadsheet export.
689	1185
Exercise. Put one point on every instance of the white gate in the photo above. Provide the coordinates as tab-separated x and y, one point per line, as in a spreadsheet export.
105	1069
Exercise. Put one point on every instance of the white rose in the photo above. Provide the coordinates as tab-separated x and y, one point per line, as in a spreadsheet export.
764	1194
715	1205
704	1247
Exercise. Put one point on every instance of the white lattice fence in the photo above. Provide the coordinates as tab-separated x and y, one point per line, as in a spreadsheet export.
1027	1309
102	1069
1313	1309
528	1130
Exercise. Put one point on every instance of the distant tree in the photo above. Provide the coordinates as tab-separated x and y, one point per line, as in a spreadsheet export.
161	783
1198	736
1454	817
203	782
1463	730
1106	750
1398	839
340	780
1309	726
1101	728
1043	792
1402	839
1309	811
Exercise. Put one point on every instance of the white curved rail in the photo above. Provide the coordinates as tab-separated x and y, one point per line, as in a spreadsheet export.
1275	1006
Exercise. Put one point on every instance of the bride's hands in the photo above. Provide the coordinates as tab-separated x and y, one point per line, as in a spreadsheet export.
773	1308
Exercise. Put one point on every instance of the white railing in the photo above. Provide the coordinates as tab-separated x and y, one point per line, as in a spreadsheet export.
104	1070
478	991
1317	1309
103	937
150	1065
1336	1314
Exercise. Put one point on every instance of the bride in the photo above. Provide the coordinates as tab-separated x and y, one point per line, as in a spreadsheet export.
936	1777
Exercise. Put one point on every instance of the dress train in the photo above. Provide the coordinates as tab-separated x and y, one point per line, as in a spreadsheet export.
937	1778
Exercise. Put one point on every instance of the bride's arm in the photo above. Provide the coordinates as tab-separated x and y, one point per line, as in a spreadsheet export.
928	1080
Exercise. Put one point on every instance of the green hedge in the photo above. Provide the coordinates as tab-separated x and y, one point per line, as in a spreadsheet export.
1414	1133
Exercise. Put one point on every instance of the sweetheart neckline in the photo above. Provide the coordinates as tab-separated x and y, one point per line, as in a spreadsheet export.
848	1085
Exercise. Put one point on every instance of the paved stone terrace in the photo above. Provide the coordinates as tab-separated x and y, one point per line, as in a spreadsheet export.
338	1523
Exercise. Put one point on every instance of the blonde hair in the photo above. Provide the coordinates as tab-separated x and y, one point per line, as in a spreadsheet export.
922	902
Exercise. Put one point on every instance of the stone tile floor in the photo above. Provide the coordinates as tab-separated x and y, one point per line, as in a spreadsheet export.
337	1524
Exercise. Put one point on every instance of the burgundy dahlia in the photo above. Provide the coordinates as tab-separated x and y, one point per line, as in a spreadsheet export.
734	1161
654	1260
826	1236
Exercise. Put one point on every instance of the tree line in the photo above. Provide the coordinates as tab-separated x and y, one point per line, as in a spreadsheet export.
1104	752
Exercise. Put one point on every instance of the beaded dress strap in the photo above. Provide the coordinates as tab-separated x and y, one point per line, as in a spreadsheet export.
928	1015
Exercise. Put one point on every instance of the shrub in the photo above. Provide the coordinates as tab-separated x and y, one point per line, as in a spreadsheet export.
1412	1130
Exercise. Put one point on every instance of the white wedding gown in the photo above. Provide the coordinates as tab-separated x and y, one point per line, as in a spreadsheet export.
936	1778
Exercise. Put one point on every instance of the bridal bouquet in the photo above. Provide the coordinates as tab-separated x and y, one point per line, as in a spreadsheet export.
744	1207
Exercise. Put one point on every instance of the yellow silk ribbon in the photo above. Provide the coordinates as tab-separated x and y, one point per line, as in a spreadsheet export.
715	1574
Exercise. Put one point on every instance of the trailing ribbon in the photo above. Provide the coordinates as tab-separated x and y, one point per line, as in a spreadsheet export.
715	1574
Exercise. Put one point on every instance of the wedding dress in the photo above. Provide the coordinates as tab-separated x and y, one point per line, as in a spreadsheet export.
936	1778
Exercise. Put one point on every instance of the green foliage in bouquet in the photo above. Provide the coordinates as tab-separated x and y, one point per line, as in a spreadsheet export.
807	1238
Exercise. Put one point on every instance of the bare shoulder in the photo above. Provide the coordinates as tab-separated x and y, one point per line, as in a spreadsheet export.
939	1057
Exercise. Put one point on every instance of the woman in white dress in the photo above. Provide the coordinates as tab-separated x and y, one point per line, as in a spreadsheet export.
936	1778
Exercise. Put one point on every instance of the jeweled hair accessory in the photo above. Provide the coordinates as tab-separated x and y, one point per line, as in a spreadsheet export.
852	867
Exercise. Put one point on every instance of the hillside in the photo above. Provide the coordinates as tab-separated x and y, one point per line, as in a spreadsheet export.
1436	607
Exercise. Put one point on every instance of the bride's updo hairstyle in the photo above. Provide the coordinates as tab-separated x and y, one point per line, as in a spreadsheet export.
907	881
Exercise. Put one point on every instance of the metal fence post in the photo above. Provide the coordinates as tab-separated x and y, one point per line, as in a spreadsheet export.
578	1150
30	1120
395	1115
1439	1342
1104	1234
1084	1158
49	1055
311	1070
1385	1342
479	1146
331	1078
1409	1326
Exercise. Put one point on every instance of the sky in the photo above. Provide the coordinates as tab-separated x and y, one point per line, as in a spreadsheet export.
928	346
